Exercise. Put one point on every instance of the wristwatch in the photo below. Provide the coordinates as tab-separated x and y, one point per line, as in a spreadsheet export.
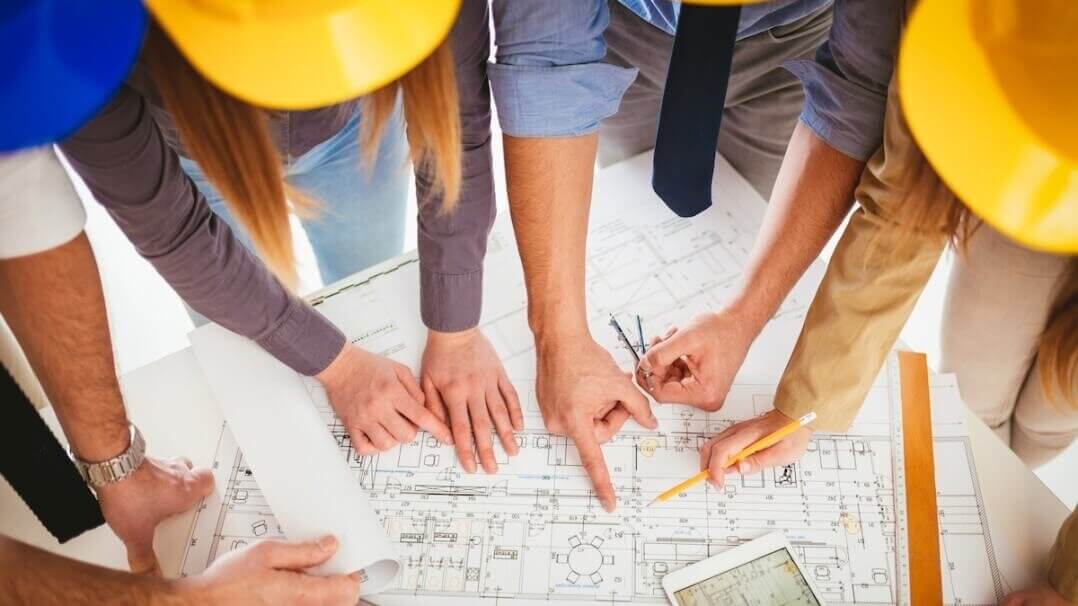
115	469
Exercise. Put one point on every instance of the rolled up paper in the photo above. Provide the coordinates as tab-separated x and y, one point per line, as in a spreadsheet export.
297	463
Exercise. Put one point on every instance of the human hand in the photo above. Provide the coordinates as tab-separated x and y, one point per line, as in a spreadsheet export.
378	401
157	490
716	452
583	394
269	573
1038	595
696	364
463	380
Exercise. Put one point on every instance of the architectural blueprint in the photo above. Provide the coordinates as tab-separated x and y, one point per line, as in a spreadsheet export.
534	532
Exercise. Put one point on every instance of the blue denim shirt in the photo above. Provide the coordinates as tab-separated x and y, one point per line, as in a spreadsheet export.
549	78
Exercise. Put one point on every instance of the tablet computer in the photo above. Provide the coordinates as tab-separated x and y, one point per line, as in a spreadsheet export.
761	572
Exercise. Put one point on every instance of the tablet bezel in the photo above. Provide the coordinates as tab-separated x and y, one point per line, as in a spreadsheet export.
734	557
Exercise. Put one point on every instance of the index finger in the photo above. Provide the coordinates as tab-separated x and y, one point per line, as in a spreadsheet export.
591	456
427	421
404	375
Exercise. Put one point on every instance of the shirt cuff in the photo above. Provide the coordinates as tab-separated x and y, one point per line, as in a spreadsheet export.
560	101
450	302
305	340
845	115
39	209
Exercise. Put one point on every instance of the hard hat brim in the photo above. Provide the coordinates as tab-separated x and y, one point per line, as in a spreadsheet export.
310	61
974	138
61	62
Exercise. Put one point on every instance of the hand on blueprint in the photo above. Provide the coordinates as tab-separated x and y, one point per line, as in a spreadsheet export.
156	491
465	384
269	573
1040	595
718	450
583	394
378	401
696	364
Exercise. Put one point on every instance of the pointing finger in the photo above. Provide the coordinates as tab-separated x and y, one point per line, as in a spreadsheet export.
591	456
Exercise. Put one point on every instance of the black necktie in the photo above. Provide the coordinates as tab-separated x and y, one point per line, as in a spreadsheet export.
38	468
692	106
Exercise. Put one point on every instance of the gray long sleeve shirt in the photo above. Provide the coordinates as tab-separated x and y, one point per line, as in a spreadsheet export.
129	158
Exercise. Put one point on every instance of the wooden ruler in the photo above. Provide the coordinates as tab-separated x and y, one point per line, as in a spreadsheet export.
923	540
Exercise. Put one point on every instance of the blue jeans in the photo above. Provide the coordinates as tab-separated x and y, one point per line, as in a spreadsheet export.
360	221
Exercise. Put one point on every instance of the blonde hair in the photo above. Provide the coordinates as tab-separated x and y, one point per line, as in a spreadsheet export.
229	140
928	206
1058	351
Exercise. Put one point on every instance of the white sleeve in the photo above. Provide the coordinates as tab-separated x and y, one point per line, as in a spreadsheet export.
39	208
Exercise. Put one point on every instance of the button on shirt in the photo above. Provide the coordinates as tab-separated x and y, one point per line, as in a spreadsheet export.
549	78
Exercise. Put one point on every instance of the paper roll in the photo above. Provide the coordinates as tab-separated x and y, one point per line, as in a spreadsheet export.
295	459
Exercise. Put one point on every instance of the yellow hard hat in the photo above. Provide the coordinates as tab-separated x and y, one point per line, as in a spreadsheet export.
295	54
990	91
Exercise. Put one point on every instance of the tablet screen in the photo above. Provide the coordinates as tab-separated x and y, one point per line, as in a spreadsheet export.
769	580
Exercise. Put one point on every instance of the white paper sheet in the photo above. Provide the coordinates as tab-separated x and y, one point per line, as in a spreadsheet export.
302	473
534	532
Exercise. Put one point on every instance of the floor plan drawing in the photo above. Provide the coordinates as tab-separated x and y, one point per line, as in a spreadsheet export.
534	532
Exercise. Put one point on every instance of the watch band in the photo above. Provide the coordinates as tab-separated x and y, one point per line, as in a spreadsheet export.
115	469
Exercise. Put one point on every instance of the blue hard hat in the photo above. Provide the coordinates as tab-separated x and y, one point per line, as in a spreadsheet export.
60	62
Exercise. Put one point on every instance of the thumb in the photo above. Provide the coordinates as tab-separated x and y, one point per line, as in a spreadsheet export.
751	464
141	558
662	355
298	556
637	405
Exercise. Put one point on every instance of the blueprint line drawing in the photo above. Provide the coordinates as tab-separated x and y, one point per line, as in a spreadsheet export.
535	533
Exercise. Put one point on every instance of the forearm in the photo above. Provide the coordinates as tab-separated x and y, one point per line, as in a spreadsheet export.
549	183
29	575
452	245
56	309
812	194
131	170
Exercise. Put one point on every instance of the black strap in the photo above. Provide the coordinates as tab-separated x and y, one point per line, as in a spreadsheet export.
38	468
692	105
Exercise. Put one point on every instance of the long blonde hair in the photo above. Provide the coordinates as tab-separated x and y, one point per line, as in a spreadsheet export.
1058	352
929	207
229	140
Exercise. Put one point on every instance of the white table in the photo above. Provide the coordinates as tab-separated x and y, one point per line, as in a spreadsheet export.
171	403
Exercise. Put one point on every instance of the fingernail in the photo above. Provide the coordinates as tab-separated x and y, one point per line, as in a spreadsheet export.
742	467
327	543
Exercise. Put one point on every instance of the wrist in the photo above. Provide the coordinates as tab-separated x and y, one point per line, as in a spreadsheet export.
178	592
750	314
337	367
103	445
553	323
450	338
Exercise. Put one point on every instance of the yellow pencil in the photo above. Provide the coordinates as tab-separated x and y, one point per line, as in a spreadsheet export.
765	442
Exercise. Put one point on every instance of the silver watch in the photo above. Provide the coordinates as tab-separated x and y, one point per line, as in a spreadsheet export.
115	469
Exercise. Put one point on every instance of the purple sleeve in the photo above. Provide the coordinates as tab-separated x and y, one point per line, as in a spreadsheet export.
137	177
452	245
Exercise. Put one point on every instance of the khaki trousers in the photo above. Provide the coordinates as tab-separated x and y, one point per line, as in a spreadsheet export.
763	99
998	300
